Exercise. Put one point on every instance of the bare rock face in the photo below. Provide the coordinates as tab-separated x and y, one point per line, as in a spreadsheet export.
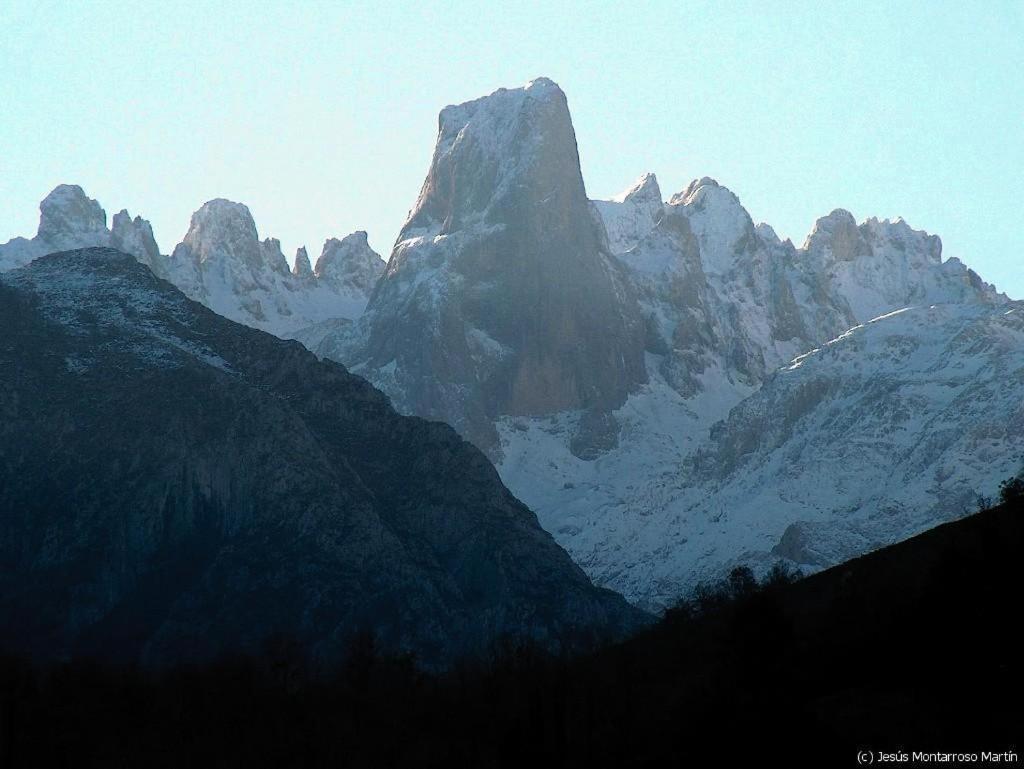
176	486
222	232
350	264
68	219
500	296
135	237
302	269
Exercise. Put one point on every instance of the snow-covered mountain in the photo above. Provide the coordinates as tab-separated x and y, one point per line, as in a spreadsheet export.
221	262
485	284
727	304
669	385
897	425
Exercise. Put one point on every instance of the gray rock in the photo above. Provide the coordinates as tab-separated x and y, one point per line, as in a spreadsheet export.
350	263
70	219
302	268
135	237
500	296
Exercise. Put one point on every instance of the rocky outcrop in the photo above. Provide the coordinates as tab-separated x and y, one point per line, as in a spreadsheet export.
350	264
242	490
221	262
500	296
135	237
67	219
302	268
879	266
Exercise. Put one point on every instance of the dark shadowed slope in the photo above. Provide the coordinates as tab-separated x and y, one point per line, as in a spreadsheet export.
910	648
173	485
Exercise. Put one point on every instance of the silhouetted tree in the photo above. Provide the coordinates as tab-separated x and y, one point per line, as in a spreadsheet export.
781	574
1012	489
742	582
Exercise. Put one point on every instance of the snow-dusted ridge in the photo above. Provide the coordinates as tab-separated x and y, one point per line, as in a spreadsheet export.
726	307
221	262
672	388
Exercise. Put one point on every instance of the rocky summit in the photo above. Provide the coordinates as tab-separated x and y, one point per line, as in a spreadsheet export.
501	296
177	485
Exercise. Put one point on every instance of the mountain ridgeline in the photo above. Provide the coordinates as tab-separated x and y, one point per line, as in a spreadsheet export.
220	262
177	486
672	388
596	349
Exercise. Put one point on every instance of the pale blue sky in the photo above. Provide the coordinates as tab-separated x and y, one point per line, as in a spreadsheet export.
322	117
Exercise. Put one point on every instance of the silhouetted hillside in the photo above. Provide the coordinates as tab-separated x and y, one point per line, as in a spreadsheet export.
175	486
912	647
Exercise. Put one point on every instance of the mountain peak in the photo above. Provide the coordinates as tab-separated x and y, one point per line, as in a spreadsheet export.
223	229
904	236
767	233
349	261
504	102
837	235
489	148
702	188
502	224
135	237
542	84
632	214
302	268
643	190
68	218
721	224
